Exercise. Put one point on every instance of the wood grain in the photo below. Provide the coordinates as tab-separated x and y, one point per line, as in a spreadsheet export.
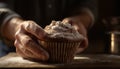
80	61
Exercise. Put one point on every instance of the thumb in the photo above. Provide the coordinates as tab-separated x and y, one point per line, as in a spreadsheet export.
67	20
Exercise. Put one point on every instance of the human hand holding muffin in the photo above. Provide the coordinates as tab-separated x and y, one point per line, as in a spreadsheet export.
32	28
80	27
26	41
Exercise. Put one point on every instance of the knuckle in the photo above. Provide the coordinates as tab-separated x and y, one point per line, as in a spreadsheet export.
28	25
18	31
16	43
27	42
16	35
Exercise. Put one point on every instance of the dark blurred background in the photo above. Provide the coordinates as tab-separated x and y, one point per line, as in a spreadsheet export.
99	41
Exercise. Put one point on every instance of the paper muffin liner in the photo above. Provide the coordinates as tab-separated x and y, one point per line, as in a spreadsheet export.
61	52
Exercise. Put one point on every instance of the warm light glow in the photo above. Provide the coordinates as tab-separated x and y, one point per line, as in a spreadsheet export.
114	46
81	57
16	60
112	43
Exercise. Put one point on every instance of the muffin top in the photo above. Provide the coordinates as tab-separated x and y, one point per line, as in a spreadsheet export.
60	30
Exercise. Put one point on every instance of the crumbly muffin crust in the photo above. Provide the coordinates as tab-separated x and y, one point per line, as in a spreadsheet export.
59	30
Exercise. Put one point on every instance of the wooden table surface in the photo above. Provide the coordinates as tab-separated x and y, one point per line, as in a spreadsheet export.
80	61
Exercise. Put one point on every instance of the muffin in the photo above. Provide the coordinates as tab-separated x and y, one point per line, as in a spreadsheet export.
62	43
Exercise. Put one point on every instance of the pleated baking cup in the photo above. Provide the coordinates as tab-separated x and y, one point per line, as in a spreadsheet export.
61	52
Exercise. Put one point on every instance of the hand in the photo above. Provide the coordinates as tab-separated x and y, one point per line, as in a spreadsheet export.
74	21
26	41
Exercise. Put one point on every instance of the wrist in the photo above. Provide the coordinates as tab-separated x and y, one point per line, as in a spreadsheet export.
10	27
6	28
15	23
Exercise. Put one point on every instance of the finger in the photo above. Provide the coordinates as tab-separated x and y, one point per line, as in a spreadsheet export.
18	50
79	50
28	43
81	29
34	29
33	47
67	20
21	50
83	45
37	50
24	52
